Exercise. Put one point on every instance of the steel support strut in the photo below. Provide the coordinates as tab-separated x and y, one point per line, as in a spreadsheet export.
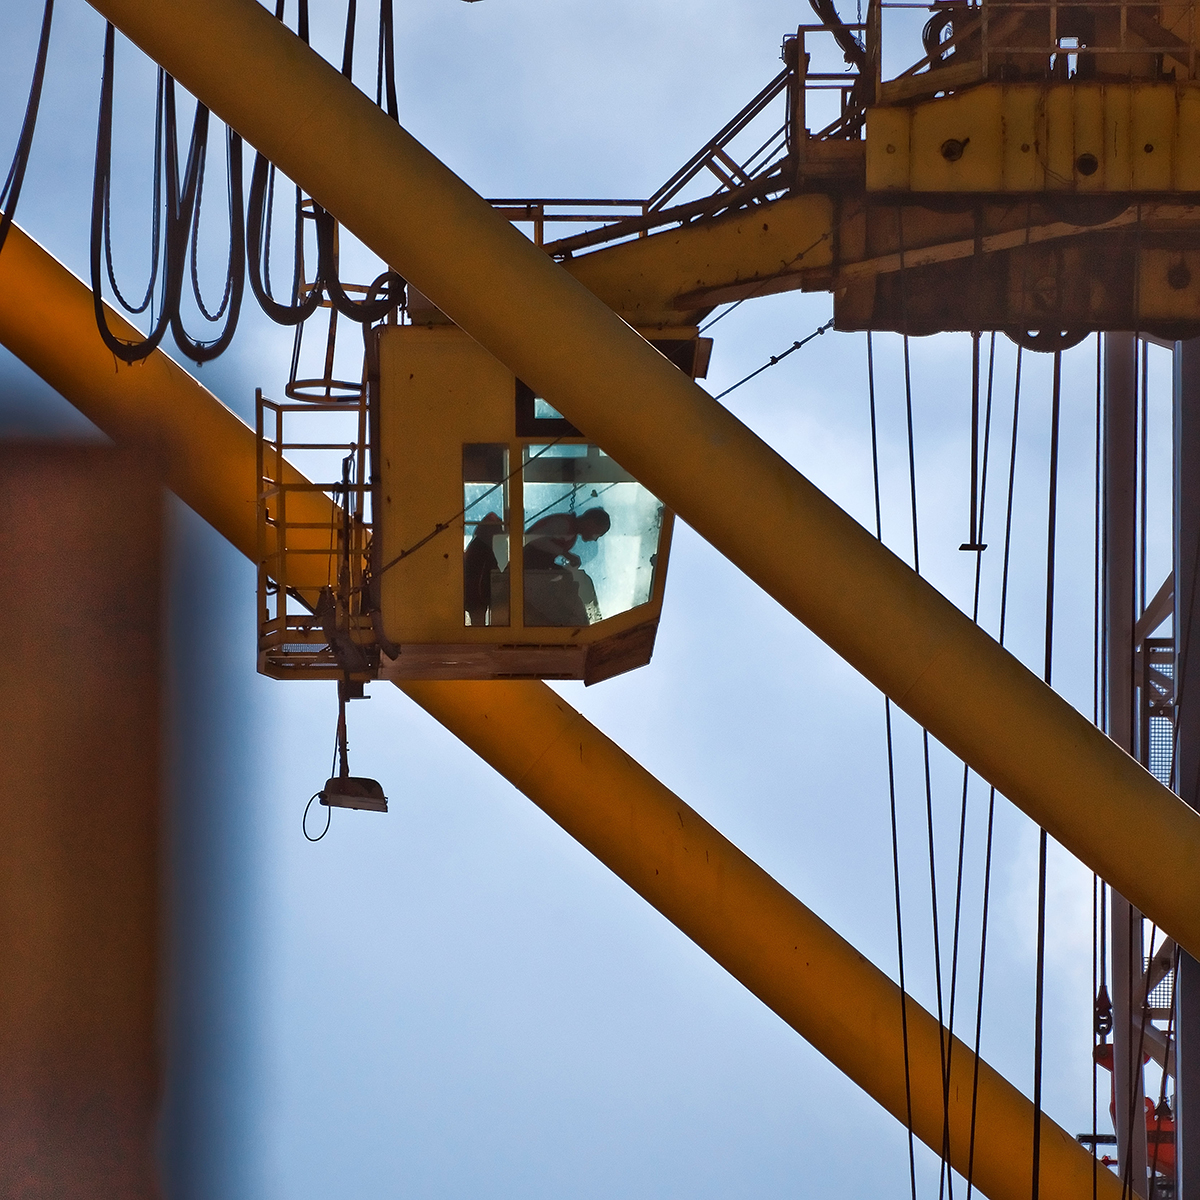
729	906
718	476
1187	743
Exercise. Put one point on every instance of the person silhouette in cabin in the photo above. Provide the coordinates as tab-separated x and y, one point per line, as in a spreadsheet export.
479	561
554	537
557	592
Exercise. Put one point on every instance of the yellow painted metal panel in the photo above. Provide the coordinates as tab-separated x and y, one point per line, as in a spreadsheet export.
1022	139
888	148
1153	136
438	390
1058	137
1117	163
1088	106
967	124
1186	150
1029	137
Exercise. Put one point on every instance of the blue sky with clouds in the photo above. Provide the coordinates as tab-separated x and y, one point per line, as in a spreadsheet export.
456	1000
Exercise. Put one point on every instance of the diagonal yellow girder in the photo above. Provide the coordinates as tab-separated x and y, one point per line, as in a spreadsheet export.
724	481
732	909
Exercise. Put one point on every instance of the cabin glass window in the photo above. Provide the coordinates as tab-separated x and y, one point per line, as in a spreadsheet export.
591	535
485	534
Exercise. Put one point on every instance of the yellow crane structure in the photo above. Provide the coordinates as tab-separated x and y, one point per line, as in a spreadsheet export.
1036	172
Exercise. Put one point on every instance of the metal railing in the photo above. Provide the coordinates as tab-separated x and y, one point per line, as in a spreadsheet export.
743	177
1043	39
302	634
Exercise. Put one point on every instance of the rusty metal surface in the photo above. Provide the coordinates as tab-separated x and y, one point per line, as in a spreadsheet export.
79	779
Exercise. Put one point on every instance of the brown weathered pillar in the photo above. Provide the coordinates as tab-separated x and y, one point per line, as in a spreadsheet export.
80	580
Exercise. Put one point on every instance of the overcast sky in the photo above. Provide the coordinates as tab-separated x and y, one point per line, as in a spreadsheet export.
455	1000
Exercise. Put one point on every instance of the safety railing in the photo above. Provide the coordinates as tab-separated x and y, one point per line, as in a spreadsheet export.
966	43
314	623
755	155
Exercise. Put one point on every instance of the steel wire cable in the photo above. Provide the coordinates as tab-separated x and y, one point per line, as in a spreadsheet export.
10	193
978	508
887	713
155	215
991	815
945	1183
182	226
1043	841
1098	897
385	80
1095	1065
442	526
777	358
176	218
180	199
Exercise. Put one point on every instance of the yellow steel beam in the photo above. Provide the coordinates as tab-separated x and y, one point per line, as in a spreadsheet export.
205	453
716	474
662	279
758	931
730	907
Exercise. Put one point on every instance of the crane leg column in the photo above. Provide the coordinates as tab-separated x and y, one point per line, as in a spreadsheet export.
79	810
1120	509
1187	766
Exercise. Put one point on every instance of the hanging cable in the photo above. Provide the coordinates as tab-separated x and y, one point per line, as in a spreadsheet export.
230	306
176	220
259	227
182	225
385	83
180	198
1099	984
973	542
1095	1032
944	1179
977	526
777	358
929	821
155	215
991	816
10	194
887	715
1040	985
